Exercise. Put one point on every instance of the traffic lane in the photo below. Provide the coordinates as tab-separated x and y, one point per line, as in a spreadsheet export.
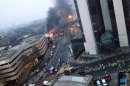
107	68
109	61
112	59
118	57
103	61
56	62
56	59
54	56
122	65
58	54
62	56
65	50
101	73
47	56
62	52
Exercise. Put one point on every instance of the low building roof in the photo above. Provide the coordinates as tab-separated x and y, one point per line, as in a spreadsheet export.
76	79
14	51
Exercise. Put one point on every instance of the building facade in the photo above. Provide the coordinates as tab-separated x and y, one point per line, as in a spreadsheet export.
21	59
99	16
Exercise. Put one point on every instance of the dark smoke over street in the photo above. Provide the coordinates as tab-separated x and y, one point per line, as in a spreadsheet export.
58	14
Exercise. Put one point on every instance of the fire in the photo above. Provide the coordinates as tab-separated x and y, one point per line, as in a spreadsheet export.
51	34
70	17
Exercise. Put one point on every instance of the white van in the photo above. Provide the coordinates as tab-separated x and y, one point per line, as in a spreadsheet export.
98	83
46	83
104	82
31	85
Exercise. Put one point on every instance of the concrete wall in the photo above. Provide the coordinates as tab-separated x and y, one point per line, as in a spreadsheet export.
90	44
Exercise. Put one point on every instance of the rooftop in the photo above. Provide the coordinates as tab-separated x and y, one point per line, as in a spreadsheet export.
71	80
25	44
32	39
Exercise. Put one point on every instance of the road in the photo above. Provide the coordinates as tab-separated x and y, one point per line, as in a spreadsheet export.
109	70
92	67
61	52
98	67
37	76
95	62
47	59
106	66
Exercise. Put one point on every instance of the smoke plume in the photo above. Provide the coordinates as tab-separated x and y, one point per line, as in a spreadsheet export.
58	13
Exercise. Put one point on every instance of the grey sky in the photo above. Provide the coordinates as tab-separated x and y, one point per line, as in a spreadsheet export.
15	12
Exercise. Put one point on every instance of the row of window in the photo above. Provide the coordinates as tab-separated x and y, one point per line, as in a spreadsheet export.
15	64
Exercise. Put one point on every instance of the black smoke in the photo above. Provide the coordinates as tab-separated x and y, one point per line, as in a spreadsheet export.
52	19
58	13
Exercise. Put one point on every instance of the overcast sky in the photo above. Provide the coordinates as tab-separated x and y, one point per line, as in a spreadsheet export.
15	12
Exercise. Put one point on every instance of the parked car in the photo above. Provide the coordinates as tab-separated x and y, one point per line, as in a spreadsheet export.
104	82
46	83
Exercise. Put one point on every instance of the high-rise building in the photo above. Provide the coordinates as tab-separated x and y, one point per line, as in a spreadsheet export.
99	16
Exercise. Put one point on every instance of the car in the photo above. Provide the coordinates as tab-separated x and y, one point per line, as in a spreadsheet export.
73	69
107	77
56	69
61	33
31	85
54	46
59	59
51	52
94	83
59	63
46	83
104	82
122	81
45	64
37	71
51	69
98	83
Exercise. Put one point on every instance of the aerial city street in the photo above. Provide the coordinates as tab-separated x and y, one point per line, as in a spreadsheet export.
65	43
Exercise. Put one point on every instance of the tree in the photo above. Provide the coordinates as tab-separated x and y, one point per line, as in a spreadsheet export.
107	40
